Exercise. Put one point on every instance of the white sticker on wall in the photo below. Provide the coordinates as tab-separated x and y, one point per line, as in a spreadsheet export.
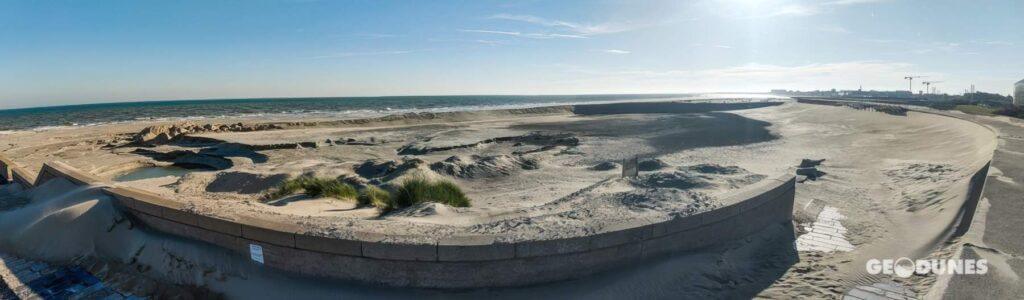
256	253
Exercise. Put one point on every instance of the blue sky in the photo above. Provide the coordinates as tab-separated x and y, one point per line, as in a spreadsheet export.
69	52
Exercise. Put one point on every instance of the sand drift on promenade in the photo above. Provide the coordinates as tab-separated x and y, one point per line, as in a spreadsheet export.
898	180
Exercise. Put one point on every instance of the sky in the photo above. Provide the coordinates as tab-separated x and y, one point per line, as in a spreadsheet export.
74	52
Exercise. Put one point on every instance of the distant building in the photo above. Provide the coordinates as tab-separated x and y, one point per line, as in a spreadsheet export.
1018	93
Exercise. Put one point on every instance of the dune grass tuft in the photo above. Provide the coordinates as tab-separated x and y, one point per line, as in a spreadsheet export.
418	190
377	197
314	187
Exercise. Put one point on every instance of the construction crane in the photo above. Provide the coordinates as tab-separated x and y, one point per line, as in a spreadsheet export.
910	78
928	84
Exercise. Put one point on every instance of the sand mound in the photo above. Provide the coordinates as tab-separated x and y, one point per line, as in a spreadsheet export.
652	164
64	221
376	168
244	183
704	176
484	167
392	172
713	169
679	202
605	166
424	209
676	180
164	134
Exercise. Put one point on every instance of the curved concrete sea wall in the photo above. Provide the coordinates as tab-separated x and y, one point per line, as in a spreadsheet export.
453	262
464	261
14	173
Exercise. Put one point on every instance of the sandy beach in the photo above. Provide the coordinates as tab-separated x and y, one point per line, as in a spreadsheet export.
896	181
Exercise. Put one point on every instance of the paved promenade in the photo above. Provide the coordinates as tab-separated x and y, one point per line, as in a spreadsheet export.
1004	221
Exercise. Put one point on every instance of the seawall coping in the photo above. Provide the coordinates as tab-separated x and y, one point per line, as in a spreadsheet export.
474	248
553	247
675	225
719	214
267	231
76	176
127	196
217	224
329	245
756	201
22	176
144	201
619	237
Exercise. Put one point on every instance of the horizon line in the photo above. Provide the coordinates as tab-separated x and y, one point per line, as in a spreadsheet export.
114	102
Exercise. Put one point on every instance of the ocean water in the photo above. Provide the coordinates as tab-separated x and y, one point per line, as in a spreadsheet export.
42	118
92	114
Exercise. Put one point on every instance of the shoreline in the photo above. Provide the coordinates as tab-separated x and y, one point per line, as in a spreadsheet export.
324	114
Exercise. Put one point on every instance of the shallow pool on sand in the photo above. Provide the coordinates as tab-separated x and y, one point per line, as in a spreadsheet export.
152	172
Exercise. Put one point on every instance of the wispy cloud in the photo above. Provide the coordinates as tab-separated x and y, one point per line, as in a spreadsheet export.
573	27
492	42
615	51
997	43
783	8
833	29
370	53
526	34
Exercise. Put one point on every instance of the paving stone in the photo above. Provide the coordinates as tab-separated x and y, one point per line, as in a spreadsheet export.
826	234
39	280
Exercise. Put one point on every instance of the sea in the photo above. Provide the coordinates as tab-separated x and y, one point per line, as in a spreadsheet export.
44	118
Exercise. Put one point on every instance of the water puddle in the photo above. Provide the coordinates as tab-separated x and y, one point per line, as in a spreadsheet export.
152	172
826	234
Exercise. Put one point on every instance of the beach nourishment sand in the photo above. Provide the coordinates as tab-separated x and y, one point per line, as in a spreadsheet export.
532	174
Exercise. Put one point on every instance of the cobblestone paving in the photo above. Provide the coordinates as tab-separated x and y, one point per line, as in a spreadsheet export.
826	234
27	279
